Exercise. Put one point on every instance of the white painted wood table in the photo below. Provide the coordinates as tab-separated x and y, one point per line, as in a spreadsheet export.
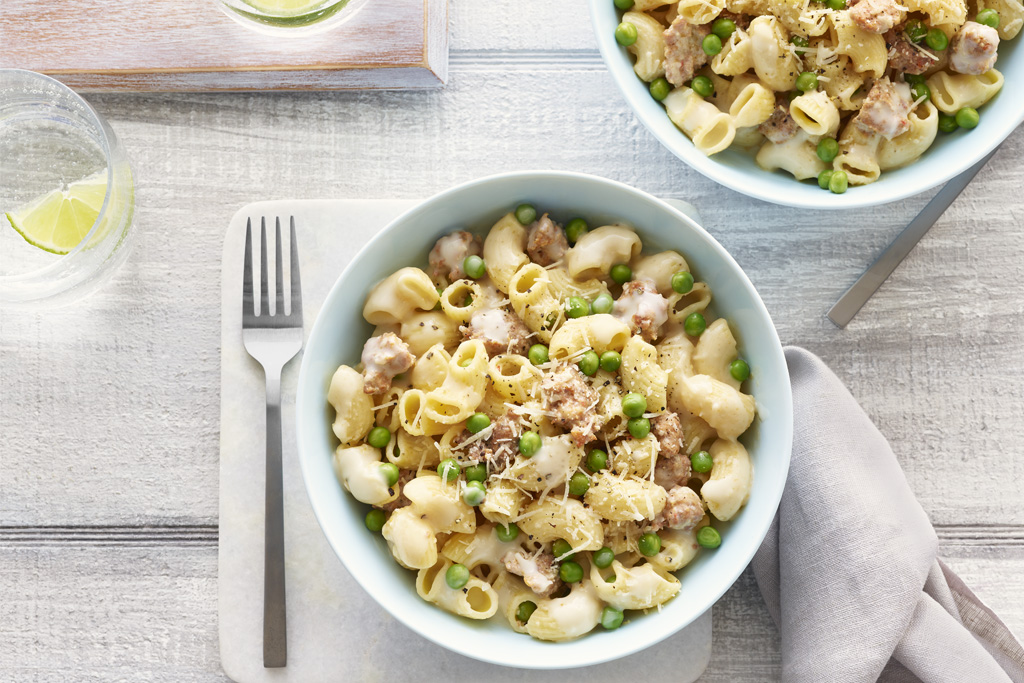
109	411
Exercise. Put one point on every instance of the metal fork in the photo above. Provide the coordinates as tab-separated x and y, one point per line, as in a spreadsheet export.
273	339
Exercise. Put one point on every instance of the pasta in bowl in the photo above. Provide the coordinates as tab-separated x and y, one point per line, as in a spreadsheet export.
526	438
782	100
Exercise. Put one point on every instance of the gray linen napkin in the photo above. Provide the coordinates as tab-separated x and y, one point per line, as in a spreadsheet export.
849	569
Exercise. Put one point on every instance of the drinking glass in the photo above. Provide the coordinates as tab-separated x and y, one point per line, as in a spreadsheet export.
291	17
52	142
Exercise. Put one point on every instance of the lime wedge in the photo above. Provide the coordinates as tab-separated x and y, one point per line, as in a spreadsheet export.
59	220
285	8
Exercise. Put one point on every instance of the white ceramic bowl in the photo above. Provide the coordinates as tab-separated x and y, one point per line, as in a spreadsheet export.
950	155
339	333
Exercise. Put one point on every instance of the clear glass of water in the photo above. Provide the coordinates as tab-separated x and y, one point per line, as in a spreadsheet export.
291	17
66	193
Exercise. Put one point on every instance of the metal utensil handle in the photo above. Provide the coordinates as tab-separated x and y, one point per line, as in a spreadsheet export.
275	641
856	296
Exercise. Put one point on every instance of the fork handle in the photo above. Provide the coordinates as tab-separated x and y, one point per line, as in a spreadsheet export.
275	642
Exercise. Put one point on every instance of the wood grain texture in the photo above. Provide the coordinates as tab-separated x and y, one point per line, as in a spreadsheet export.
108	411
166	45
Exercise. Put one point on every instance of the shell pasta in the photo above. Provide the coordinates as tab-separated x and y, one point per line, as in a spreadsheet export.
831	91
545	432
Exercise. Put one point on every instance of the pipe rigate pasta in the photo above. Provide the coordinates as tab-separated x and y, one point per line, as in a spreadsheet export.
505	250
731	477
354	408
399	296
598	250
649	48
641	587
553	470
476	600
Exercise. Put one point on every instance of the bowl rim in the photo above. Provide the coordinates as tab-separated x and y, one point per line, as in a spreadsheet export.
782	411
743	181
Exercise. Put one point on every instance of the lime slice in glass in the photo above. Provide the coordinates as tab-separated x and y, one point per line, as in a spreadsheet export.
285	8
58	221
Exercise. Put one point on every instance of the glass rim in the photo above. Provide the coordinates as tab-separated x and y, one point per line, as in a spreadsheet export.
99	123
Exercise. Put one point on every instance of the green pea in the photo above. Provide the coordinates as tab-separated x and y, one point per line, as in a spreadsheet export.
639	427
916	30
448	469
711	45
578	484
603	558
625	34
604	303
649	544
506	534
525	611
828	149
682	282
597	460
529	444
837	5
623	4
577	307
913	79
739	370
708	537
610	578
824	178
921	90
589	363
947	123
695	324
723	27
379	437
457	576
936	40
478	422
574	229
526	214
390	472
967	118
621	273
375	520
476	472
807	81
839	182
538	354
703	86
660	89
610	361
634	405
988	17
701	462
474	493
570	571
474	266
800	41
562	549
611	618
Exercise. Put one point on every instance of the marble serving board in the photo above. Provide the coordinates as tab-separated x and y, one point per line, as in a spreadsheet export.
335	630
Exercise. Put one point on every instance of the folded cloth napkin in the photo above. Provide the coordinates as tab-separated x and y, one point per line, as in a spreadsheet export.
849	569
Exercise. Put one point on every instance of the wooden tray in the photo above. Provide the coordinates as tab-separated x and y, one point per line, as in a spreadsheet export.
191	45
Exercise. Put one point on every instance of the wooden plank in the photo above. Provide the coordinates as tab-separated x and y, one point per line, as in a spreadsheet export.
109	409
147	611
170	45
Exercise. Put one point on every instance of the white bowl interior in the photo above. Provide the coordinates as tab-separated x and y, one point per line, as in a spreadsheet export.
338	335
950	155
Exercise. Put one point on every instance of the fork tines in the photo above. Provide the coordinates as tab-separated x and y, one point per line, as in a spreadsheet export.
249	302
